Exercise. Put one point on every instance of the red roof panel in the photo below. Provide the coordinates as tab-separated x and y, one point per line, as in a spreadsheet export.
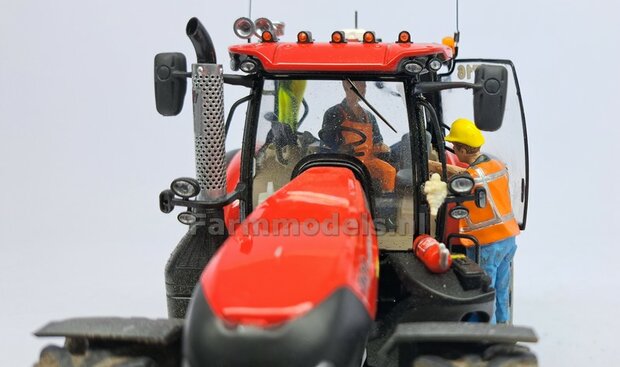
352	56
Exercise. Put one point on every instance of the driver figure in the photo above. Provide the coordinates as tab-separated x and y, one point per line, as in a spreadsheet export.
349	128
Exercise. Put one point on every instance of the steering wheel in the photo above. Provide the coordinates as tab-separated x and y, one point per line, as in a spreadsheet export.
355	144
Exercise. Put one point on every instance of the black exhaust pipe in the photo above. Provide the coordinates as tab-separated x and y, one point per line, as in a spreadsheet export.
205	52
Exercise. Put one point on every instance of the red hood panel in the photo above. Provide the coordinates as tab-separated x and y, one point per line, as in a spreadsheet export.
299	246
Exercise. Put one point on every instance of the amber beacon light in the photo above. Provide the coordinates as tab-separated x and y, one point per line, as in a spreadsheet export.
404	37
304	37
267	36
369	37
338	37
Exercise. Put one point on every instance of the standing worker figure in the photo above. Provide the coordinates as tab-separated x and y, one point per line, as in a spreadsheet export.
349	128
494	225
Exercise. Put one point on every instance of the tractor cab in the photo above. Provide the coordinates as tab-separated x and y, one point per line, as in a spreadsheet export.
387	107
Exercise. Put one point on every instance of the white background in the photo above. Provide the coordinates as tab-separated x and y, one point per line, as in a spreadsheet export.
84	154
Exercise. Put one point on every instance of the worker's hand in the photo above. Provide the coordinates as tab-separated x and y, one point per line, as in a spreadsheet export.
451	170
381	151
380	148
454	170
346	149
434	167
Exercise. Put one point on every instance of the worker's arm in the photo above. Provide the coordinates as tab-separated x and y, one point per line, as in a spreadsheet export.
379	147
377	138
435	167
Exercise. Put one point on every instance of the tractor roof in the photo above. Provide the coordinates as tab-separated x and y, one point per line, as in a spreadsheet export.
337	57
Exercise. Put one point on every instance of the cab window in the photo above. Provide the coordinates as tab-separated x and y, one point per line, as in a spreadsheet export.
304	117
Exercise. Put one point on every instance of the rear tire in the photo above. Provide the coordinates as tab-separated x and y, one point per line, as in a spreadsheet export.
54	356
500	355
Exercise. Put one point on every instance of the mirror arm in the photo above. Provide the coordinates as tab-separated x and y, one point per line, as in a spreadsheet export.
231	79
182	74
428	87
243	80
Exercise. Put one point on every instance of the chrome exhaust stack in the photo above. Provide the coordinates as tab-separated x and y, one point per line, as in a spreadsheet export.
205	214
209	129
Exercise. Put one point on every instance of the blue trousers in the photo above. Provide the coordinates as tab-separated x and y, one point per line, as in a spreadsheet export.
495	260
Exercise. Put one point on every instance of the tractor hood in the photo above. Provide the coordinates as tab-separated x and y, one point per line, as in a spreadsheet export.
310	238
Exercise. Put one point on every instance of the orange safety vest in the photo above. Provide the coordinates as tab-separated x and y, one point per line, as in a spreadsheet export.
496	221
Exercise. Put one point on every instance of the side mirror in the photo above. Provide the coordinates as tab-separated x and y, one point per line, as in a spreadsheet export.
490	96
170	82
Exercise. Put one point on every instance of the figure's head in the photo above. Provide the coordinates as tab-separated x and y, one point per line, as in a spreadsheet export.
465	153
350	94
466	139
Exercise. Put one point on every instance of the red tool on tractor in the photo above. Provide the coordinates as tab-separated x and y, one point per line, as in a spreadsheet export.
300	248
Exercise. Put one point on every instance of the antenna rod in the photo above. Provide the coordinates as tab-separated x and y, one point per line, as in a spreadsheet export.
356	19
457	34
457	16
250	11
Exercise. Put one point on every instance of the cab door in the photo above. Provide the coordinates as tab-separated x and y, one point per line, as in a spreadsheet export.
509	142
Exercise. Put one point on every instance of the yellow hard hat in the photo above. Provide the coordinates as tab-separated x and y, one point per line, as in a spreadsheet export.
464	131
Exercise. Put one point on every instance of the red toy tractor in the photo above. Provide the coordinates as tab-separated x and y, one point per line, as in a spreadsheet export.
300	244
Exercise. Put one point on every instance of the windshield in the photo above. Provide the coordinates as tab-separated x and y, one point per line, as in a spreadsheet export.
304	117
